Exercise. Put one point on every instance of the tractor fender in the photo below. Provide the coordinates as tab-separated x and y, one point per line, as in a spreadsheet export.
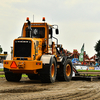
47	59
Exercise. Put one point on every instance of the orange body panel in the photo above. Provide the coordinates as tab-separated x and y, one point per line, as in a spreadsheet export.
23	65
32	50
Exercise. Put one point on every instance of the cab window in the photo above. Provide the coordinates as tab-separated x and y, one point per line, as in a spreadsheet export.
37	32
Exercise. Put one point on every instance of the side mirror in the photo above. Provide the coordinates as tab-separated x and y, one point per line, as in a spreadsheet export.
57	31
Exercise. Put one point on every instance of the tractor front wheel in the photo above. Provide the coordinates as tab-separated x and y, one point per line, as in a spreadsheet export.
33	76
49	72
12	76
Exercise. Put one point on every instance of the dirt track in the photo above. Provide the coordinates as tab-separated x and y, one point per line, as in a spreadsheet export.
35	90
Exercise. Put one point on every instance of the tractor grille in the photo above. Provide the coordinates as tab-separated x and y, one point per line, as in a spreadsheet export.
22	48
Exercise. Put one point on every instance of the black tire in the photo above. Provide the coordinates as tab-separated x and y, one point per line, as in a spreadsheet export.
33	76
49	72
12	76
64	73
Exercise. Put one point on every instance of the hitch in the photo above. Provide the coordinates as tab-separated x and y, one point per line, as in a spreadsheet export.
21	65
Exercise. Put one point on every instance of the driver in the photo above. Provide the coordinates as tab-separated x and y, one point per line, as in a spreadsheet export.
38	33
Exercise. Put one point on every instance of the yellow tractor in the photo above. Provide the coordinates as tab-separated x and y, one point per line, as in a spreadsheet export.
36	55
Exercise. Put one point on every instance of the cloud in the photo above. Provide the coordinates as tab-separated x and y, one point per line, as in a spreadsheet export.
74	33
78	20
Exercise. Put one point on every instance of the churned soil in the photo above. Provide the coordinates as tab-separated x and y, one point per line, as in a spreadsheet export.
35	90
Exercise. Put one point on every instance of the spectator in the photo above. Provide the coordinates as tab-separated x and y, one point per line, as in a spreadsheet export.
97	65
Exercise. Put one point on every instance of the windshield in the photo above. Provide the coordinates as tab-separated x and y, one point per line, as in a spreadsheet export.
37	32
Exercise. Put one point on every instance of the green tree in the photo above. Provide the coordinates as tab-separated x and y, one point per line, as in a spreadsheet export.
1	49
97	48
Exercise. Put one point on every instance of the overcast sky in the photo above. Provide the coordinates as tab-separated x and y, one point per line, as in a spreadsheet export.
78	21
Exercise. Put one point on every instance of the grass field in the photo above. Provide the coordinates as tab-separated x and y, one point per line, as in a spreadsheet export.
22	75
88	70
89	75
77	70
1	69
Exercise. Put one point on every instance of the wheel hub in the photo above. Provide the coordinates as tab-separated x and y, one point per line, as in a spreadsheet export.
68	69
52	70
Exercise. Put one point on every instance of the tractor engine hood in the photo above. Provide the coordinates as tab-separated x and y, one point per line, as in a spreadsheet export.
26	48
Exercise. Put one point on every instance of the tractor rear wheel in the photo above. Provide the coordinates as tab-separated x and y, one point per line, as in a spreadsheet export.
12	76
49	72
65	71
